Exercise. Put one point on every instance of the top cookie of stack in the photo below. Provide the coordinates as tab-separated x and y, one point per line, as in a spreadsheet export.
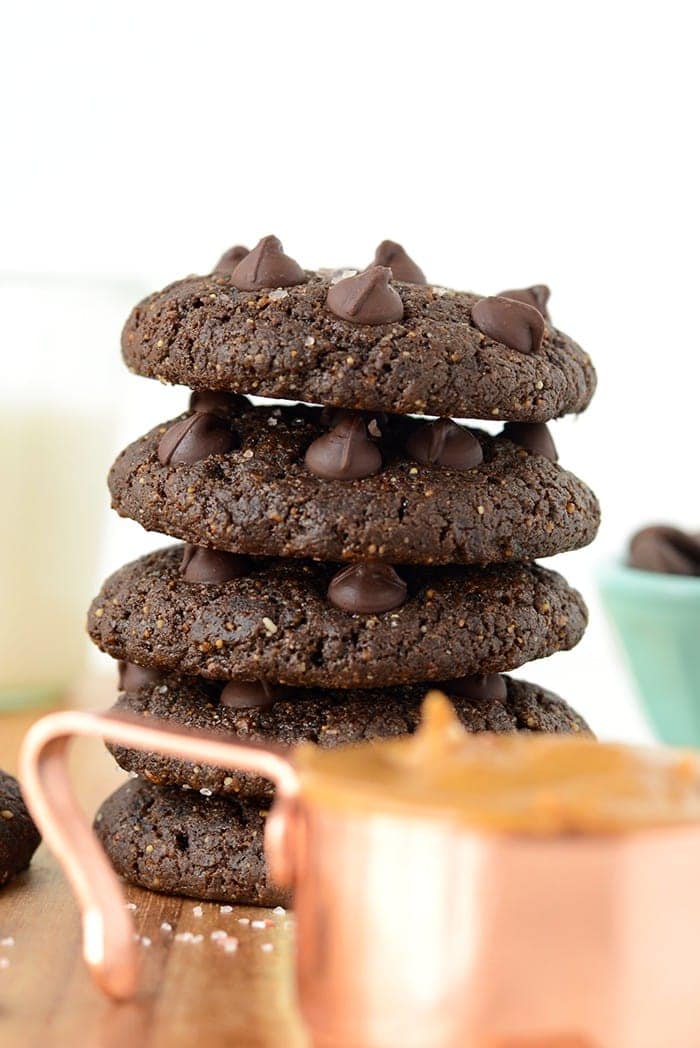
379	340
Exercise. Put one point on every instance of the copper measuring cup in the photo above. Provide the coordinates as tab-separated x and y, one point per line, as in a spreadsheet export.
417	932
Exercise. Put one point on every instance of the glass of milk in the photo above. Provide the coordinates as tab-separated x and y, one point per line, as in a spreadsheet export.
59	403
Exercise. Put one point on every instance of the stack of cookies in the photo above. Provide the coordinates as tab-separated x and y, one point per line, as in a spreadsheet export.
339	559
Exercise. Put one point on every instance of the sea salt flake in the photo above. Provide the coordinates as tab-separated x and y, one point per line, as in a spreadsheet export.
342	274
197	911
277	294
205	791
226	909
166	927
8	941
279	910
267	947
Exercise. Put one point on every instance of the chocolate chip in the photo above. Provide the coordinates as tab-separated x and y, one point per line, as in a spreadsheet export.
195	438
402	266
346	453
212	565
367	298
132	677
533	436
490	688
218	402
230	259
513	323
444	443
537	296
266	266
249	694
367	588
665	549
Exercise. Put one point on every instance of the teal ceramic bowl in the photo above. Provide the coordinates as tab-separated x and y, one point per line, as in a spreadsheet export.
657	619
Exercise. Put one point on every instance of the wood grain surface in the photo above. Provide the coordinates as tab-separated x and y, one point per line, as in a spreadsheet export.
192	993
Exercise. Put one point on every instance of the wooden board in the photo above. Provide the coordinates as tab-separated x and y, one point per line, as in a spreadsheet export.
191	993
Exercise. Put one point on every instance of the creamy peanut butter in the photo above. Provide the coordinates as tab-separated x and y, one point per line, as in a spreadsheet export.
531	784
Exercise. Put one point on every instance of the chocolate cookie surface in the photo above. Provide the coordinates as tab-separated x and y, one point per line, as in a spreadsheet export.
277	624
176	841
19	837
262	499
204	333
328	718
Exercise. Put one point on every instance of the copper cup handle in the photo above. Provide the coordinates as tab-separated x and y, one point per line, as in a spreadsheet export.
109	947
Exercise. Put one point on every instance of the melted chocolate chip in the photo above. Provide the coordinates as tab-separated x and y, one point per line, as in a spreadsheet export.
249	694
444	443
195	438
665	549
533	436
266	266
212	565
537	296
367	588
230	259
402	266
490	688
346	453
513	323
367	298
218	402
132	677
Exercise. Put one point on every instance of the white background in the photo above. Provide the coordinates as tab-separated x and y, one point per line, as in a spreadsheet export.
502	143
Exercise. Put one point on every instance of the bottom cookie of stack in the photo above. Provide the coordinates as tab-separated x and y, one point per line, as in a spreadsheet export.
169	839
197	830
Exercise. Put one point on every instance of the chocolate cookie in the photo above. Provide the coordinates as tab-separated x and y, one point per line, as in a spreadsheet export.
329	718
310	341
283	621
176	841
263	499
19	837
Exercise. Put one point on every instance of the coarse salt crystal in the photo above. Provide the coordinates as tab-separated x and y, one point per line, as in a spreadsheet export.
226	909
218	934
280	910
258	924
309	341
145	941
131	906
278	294
244	920
8	941
230	945
197	911
205	791
267	947
166	927
4	963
